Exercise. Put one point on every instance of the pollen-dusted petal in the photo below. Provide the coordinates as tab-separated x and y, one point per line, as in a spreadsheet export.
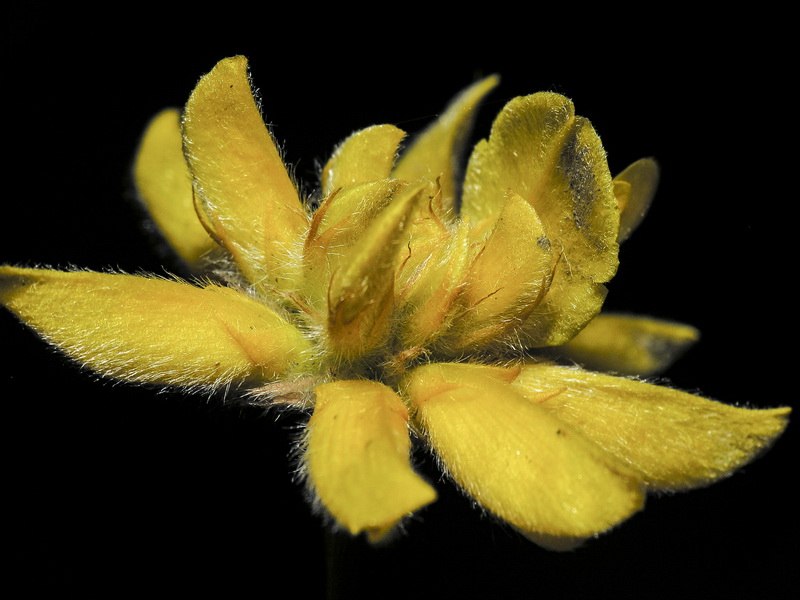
629	344
552	158
507	280
358	457
154	330
165	186
360	296
365	156
436	152
542	151
240	178
515	459
634	189
674	439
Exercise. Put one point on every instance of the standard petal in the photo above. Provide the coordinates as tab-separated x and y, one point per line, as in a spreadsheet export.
436	152
165	186
674	439
553	159
365	156
357	457
628	344
240	178
153	330
515	459
634	189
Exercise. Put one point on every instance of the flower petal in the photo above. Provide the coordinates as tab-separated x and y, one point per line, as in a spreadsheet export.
628	344
507	280
337	224
153	330
674	439
365	156
345	215
432	276
240	178
360	295
165	186
435	153
357	457
515	459
634	189
553	159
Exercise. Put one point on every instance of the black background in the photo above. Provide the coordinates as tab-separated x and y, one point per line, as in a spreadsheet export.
113	487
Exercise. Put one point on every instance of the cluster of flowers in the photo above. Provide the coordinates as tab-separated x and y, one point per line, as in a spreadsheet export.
409	304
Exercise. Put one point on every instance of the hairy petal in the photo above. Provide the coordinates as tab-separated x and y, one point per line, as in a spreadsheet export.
540	150
357	457
516	459
165	187
345	214
338	224
239	177
365	156
360	296
628	344
634	189
507	280
154	330
674	439
436	152
433	274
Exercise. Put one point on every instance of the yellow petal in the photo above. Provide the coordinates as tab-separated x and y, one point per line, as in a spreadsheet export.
435	153
507	280
628	344
554	160
515	459
360	296
346	214
153	330
635	188
430	291
240	178
674	439
365	156
337	224
165	186
358	457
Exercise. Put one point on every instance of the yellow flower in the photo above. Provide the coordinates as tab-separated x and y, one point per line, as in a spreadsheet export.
409	304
